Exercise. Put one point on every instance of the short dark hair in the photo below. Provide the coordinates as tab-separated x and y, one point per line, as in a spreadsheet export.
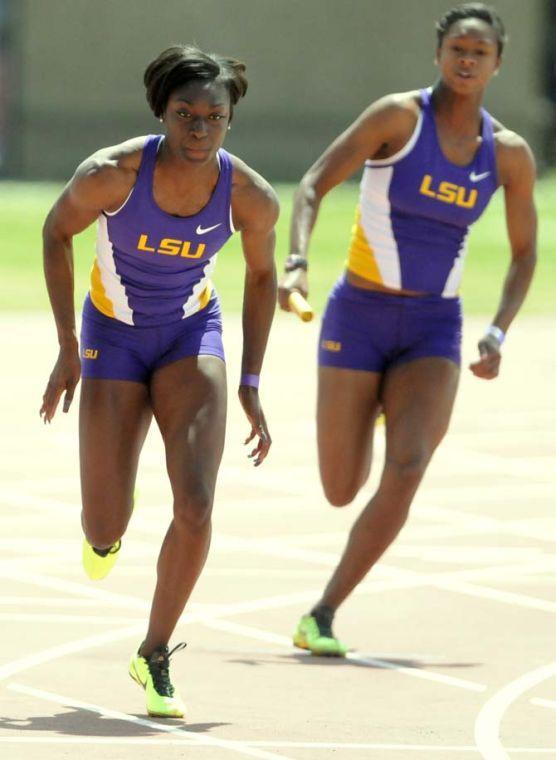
180	64
472	10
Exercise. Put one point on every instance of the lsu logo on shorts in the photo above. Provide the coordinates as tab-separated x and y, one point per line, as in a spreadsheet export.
90	353
331	345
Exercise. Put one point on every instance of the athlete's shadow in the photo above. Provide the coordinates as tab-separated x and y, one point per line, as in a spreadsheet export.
77	722
357	659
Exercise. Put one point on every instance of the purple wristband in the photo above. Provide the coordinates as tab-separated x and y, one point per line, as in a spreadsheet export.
247	379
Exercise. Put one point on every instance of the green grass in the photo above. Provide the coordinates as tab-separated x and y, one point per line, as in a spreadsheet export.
24	206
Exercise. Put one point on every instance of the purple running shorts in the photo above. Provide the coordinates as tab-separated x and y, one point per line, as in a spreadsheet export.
370	330
114	350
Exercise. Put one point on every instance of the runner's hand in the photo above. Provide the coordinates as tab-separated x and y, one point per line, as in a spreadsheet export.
64	378
249	398
290	281
488	365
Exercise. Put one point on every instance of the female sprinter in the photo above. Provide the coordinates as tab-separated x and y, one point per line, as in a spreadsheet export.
392	328
151	335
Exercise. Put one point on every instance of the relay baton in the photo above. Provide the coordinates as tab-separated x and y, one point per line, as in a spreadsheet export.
299	305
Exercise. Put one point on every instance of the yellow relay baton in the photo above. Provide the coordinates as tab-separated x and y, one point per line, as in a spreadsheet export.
300	306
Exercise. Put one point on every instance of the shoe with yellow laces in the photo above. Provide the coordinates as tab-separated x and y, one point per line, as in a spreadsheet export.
314	632
153	674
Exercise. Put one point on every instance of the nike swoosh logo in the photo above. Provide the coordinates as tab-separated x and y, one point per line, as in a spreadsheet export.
202	230
478	177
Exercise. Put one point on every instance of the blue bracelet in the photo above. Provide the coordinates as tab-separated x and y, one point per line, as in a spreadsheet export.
248	379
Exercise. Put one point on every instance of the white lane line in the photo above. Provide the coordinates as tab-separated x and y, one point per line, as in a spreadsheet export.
487	724
521	572
402	579
426	675
30	561
49	601
476	522
469	554
551	703
545	564
506	597
71	647
249	632
202	741
79	589
408	578
38	617
116	740
396	747
358	659
233	746
275	548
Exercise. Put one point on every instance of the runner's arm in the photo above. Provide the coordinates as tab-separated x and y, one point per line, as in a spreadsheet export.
255	209
518	176
391	118
381	122
93	187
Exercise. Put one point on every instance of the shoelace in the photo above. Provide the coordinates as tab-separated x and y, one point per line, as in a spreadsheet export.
324	624
159	664
325	629
114	549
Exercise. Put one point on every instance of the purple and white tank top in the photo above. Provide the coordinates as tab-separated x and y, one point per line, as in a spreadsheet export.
416	207
153	268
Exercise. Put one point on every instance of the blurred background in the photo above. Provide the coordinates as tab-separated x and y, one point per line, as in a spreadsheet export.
71	82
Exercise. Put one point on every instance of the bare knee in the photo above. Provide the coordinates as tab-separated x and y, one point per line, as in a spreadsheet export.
340	493
192	511
102	532
406	473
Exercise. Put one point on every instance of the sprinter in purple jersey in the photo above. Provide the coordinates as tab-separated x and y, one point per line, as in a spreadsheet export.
151	333
391	332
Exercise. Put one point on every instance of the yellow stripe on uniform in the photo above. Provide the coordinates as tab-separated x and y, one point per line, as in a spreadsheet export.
204	298
361	257
98	293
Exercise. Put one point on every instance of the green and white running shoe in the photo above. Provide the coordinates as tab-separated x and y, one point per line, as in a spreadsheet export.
315	634
153	674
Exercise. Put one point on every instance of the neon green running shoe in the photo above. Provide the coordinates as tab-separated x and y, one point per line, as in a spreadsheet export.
316	636
97	563
153	674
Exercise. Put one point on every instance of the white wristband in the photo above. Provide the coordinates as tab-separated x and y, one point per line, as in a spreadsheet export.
496	333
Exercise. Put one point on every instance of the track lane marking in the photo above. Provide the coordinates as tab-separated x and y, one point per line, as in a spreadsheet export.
71	647
284	641
550	703
185	742
487	724
233	746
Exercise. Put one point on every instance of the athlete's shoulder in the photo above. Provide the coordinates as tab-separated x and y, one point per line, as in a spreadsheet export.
508	140
514	156
404	106
254	200
114	160
108	175
388	123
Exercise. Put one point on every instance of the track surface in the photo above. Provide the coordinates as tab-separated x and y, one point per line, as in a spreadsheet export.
453	633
